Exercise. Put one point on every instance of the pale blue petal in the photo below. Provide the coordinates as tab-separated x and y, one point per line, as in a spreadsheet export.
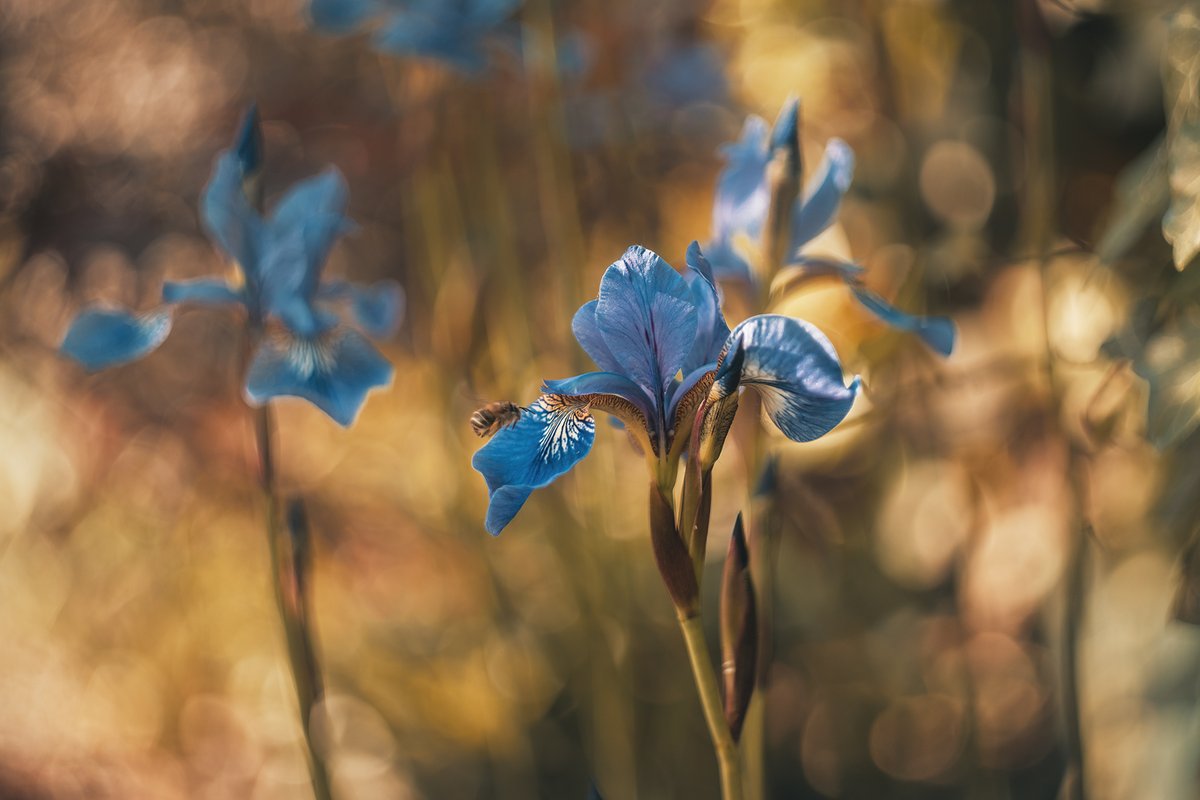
796	371
711	328
550	438
288	291
647	317
432	36
937	332
824	194
484	14
333	372
587	333
203	291
378	309
229	218
101	337
742	196
727	263
342	16
323	194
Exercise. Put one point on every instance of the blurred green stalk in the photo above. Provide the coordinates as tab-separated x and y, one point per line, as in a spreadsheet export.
291	563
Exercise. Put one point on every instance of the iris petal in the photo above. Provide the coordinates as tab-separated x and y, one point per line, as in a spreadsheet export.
796	371
711	329
203	291
100	337
587	333
727	263
612	393
334	372
937	332
742	197
432	36
229	218
377	309
551	436
647	317
824	194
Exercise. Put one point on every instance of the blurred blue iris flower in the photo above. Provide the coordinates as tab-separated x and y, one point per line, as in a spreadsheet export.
659	339
451	31
302	349
742	204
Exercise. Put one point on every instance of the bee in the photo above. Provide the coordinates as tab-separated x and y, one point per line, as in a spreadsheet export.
494	417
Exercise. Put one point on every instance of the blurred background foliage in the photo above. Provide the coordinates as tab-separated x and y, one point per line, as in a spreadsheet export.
931	550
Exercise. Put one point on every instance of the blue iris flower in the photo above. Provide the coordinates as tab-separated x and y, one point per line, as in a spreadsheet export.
451	31
742	204
658	339
302	350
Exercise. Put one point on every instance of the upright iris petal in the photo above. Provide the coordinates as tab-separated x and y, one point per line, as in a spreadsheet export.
551	436
796	371
646	316
815	211
711	329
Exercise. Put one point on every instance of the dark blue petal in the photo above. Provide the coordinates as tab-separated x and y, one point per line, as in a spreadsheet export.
824	194
377	309
796	371
288	288
587	333
550	438
311	215
229	218
342	16
647	317
742	197
249	145
483	14
100	338
204	291
937	332
711	329
334	372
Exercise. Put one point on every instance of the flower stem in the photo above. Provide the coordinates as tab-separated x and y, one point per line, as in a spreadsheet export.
710	701
290	565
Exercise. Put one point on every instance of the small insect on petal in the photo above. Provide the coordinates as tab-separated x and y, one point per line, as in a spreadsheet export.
494	417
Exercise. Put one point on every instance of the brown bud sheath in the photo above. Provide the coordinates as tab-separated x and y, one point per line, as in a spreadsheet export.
674	562
739	630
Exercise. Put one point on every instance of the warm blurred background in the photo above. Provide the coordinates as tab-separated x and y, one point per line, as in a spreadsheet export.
931	552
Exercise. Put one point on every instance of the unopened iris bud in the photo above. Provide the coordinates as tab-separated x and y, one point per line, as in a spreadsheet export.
721	406
674	561
739	630
249	150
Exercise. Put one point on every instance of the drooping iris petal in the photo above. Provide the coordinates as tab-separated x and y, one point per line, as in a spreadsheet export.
796	371
377	309
816	211
711	329
342	16
587	333
229	218
742	198
613	393
646	315
101	337
334	372
937	332
203	291
552	436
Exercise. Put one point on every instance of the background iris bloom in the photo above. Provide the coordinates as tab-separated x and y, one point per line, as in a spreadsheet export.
658	339
742	204
302	349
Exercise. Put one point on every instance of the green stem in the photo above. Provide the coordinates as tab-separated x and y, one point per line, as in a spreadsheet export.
710	701
289	571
